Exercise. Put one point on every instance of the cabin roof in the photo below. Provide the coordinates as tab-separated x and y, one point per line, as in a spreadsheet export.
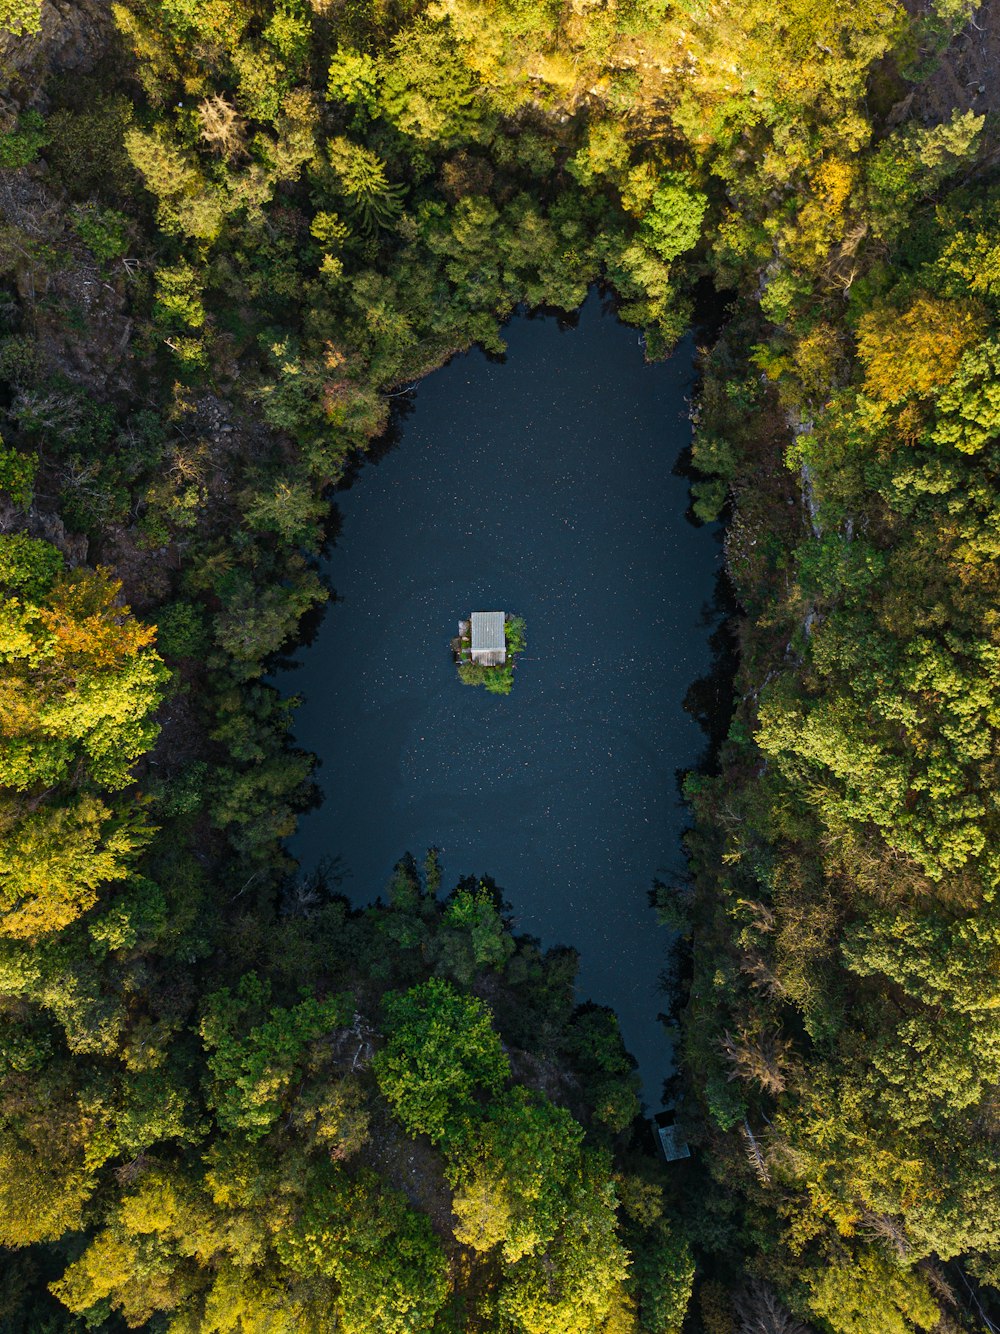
487	631
673	1145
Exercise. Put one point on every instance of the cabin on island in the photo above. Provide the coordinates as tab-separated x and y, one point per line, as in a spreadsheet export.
489	643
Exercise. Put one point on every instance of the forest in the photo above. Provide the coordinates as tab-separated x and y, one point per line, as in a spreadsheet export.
230	232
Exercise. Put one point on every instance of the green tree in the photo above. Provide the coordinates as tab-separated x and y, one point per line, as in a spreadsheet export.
58	858
672	222
372	201
577	1283
253	1066
513	1180
968	408
427	90
869	1293
187	203
441	1050
388	1264
17	475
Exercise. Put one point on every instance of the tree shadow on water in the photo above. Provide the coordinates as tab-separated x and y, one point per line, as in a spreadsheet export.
710	699
401	405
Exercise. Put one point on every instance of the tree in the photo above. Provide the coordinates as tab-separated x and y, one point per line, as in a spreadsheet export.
513	1179
59	857
46	1172
761	1312
253	1066
354	79
967	410
472	935
79	681
187	203
913	352
28	566
868	1294
576	1283
17	475
672	222
372	201
441	1049
388	1265
427	90
663	1274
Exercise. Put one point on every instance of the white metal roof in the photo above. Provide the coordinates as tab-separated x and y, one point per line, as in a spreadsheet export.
487	631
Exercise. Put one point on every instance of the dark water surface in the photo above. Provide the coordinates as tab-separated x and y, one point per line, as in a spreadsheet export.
544	487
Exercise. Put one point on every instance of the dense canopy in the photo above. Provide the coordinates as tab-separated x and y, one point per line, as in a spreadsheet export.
232	234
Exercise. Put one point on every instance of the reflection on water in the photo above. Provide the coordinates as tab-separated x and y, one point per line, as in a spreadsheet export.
542	486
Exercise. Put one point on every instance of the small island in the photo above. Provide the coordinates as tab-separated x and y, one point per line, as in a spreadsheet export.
486	650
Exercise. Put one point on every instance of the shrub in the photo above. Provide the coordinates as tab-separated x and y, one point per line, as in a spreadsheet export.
103	231
181	631
515	632
17	474
20	16
21	146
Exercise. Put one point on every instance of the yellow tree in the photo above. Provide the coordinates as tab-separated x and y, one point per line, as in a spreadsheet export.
911	353
79	681
57	858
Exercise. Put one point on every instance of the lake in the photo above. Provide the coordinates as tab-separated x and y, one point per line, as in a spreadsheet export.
543	486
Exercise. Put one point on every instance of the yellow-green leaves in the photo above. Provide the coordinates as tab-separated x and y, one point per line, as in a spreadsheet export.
372	201
353	79
427	90
188	203
28	566
79	683
56	860
17	475
388	1265
257	1049
968	408
868	1294
672	222
441	1051
20	17
513	1178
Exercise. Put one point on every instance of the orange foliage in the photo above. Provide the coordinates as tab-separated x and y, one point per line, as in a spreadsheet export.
87	625
912	353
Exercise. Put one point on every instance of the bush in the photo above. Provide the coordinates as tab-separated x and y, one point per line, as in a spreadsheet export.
515	632
499	680
472	673
17	474
181	631
103	231
28	566
21	146
20	16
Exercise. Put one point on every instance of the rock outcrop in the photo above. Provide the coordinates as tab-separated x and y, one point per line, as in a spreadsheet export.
74	35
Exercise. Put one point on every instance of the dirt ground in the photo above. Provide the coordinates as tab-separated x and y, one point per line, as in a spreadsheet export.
966	76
